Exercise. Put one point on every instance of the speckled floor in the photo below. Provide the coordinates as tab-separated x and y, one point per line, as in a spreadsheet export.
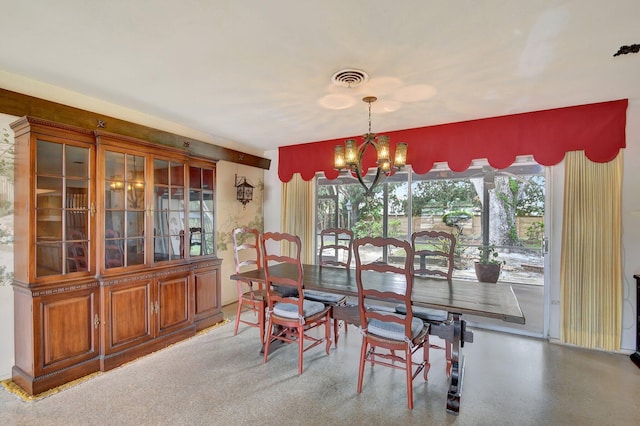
218	378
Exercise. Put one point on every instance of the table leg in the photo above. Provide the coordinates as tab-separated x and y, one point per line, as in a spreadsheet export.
454	331
457	366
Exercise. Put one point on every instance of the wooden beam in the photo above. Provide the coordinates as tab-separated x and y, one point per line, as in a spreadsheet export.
18	104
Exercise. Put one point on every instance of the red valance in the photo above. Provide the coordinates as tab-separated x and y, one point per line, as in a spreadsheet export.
597	129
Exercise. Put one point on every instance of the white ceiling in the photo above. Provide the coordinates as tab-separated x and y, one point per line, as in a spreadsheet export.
258	72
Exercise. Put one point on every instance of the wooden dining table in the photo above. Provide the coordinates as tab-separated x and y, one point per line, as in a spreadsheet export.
457	297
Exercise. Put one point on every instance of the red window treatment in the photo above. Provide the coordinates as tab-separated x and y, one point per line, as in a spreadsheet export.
597	129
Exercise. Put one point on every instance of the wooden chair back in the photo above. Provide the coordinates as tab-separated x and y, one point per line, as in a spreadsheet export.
335	245
434	251
380	281
283	288
246	248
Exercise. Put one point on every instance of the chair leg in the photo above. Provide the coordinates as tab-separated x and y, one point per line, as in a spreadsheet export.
268	342
261	310
363	355
235	330
425	358
409	371
327	333
335	330
300	329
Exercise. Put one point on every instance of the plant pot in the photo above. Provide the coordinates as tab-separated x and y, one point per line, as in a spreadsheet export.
487	272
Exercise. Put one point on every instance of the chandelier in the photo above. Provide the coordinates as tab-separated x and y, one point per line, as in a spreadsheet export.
350	156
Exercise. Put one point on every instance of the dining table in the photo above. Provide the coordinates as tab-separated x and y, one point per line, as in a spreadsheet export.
456	296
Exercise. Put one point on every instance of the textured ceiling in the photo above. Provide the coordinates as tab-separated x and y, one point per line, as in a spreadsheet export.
259	73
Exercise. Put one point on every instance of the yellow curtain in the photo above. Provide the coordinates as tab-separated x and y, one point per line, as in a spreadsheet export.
297	213
591	261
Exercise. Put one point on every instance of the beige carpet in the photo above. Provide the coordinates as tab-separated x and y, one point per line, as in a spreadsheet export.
218	378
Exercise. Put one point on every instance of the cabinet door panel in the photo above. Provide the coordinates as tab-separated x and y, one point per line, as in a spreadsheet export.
130	314
174	303
206	289
69	334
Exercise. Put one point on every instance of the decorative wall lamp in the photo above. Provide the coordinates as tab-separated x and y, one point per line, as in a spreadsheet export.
350	155
244	190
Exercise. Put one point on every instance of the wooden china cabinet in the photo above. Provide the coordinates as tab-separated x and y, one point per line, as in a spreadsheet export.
114	250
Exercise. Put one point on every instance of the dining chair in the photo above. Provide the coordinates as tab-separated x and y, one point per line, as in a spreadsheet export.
291	317
434	252
336	248
403	335
246	255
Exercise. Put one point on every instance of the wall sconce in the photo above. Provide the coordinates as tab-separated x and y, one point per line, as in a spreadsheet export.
244	190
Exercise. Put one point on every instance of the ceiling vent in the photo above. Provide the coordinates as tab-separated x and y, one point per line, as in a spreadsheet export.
349	78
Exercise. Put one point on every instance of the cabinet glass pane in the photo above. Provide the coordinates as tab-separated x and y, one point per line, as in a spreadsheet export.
114	195
114	224
209	241
161	172
160	249
135	251
77	228
48	225
114	166
135	196
77	162
49	158
160	223
62	214
113	254
135	224
48	259
77	259
195	177
207	179
49	192
177	174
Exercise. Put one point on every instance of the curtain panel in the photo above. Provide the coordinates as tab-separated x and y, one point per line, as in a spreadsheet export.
597	129
591	258
297	214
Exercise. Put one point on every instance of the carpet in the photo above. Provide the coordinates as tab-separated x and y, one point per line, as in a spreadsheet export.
13	388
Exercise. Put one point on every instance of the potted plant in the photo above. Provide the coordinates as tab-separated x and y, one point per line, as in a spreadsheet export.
488	267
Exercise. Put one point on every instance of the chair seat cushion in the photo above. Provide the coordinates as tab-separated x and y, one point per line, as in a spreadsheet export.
392	330
321	296
425	314
289	310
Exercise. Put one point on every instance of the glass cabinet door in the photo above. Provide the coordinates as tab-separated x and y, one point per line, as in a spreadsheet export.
201	211
62	208
124	209
168	210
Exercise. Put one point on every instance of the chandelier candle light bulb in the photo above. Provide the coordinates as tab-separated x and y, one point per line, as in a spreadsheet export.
350	155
